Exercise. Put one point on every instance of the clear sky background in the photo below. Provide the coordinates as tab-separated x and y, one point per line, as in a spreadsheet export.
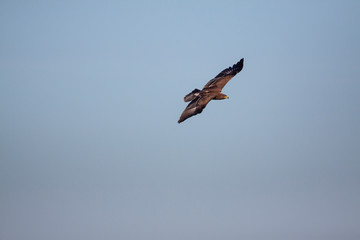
90	95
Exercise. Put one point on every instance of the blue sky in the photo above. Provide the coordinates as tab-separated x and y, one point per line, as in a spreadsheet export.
90	95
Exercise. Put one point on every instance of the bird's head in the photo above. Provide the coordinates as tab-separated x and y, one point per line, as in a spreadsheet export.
220	96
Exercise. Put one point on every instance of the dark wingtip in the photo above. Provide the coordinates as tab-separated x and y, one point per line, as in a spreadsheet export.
238	66
235	69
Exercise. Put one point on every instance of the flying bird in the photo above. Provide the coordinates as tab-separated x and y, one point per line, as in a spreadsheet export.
212	91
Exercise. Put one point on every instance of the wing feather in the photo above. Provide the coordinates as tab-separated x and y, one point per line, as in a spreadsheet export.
196	106
224	76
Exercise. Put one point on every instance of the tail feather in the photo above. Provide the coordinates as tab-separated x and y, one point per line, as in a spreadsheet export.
191	96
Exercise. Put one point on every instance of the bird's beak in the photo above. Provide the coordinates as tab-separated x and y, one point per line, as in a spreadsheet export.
226	97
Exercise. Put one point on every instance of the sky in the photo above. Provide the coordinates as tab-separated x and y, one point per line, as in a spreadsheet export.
90	95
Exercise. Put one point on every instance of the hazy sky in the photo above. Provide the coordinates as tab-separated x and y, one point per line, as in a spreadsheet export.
90	95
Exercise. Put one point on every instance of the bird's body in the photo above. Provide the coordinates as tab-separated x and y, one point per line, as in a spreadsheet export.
212	91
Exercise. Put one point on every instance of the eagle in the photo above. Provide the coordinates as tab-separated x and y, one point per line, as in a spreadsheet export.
211	91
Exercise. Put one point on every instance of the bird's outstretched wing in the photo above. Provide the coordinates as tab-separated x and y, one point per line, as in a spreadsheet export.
196	106
224	76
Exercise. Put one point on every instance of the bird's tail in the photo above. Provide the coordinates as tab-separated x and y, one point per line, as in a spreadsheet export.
191	96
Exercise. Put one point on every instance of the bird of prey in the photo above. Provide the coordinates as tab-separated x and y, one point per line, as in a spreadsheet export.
212	91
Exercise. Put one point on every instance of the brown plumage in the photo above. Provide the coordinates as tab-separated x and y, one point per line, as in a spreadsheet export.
211	91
